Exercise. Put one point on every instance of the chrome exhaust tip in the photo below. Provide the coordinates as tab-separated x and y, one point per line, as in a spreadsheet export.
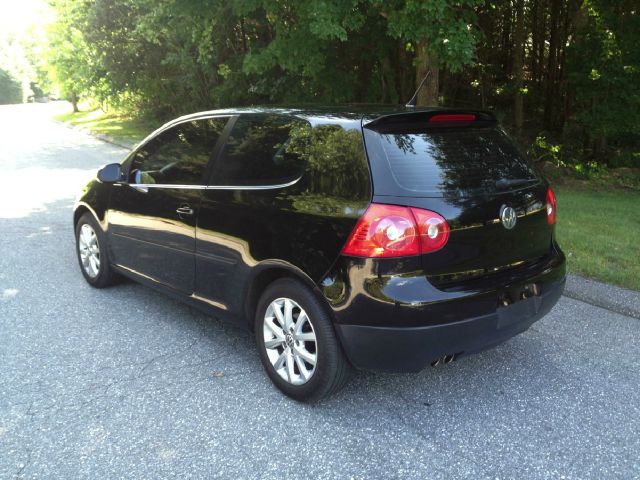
444	360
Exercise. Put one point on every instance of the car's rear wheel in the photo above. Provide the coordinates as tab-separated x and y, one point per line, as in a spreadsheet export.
297	343
92	252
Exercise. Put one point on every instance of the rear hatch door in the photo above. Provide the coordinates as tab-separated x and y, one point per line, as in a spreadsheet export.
465	167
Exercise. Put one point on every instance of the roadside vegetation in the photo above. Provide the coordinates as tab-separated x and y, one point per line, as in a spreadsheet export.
121	128
564	77
599	232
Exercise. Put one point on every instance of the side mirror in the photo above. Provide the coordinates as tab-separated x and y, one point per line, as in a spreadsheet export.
110	173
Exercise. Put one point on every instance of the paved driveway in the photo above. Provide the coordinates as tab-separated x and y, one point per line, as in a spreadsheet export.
126	383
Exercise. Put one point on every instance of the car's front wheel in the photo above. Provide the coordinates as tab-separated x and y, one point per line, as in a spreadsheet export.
297	343
92	252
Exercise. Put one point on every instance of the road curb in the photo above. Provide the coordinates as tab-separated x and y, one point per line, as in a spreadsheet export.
616	299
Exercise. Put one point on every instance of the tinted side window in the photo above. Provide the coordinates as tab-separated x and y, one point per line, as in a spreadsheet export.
336	161
258	152
178	156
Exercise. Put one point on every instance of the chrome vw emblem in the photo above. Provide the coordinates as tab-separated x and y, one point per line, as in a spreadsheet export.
508	217
288	339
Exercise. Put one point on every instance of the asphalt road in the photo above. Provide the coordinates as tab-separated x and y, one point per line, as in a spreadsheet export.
125	383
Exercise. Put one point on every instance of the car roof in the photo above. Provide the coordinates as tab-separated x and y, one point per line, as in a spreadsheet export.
320	113
349	116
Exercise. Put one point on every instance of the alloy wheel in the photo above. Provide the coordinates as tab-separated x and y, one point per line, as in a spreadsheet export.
89	250
290	341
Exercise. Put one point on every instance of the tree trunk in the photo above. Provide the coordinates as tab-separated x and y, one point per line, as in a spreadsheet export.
389	91
505	40
579	19
533	53
540	39
518	66
552	70
427	62
74	102
483	87
404	64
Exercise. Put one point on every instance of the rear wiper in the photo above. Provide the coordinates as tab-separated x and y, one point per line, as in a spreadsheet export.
505	184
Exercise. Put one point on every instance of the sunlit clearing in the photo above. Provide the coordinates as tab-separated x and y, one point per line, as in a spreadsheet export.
29	190
18	17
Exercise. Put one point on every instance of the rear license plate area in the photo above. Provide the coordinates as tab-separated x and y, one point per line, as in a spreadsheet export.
518	304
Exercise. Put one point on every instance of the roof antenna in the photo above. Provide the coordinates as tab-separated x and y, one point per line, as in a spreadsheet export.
412	103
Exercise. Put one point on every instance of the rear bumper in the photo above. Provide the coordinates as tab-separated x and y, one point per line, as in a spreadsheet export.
401	323
410	349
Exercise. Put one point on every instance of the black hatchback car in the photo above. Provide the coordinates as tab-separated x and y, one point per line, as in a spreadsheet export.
382	239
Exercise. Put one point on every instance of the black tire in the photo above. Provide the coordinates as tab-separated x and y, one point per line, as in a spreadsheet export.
332	369
105	275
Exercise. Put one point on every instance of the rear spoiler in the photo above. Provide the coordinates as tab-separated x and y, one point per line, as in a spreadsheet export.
408	122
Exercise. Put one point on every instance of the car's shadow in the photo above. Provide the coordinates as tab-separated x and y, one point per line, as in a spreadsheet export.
520	363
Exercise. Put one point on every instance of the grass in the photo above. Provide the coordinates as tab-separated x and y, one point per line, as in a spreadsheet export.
115	125
599	232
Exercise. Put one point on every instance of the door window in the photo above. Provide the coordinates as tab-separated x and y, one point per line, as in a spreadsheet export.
179	155
260	151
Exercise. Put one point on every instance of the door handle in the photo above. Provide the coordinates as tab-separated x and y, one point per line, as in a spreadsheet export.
185	210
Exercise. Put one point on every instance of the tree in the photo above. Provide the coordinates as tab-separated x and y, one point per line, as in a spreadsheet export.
441	34
606	101
518	65
567	70
69	57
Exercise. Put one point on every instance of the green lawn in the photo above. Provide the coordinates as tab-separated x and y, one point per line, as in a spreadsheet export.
117	126
600	234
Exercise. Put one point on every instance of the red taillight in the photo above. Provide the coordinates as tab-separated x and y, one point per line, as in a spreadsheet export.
393	231
551	207
384	231
434	230
452	117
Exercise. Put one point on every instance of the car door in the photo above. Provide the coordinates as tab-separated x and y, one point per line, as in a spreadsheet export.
243	216
152	217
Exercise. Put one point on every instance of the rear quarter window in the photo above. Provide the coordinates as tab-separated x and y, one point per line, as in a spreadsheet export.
458	162
258	152
336	161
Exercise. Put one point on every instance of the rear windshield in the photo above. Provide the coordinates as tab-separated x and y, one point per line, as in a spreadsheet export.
464	162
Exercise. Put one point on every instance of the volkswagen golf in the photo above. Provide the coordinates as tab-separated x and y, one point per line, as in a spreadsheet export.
382	238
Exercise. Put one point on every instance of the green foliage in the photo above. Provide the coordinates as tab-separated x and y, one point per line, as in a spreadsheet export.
69	57
170	57
543	150
607	92
10	89
446	27
579	92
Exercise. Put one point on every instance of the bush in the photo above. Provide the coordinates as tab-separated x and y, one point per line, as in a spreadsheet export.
10	89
